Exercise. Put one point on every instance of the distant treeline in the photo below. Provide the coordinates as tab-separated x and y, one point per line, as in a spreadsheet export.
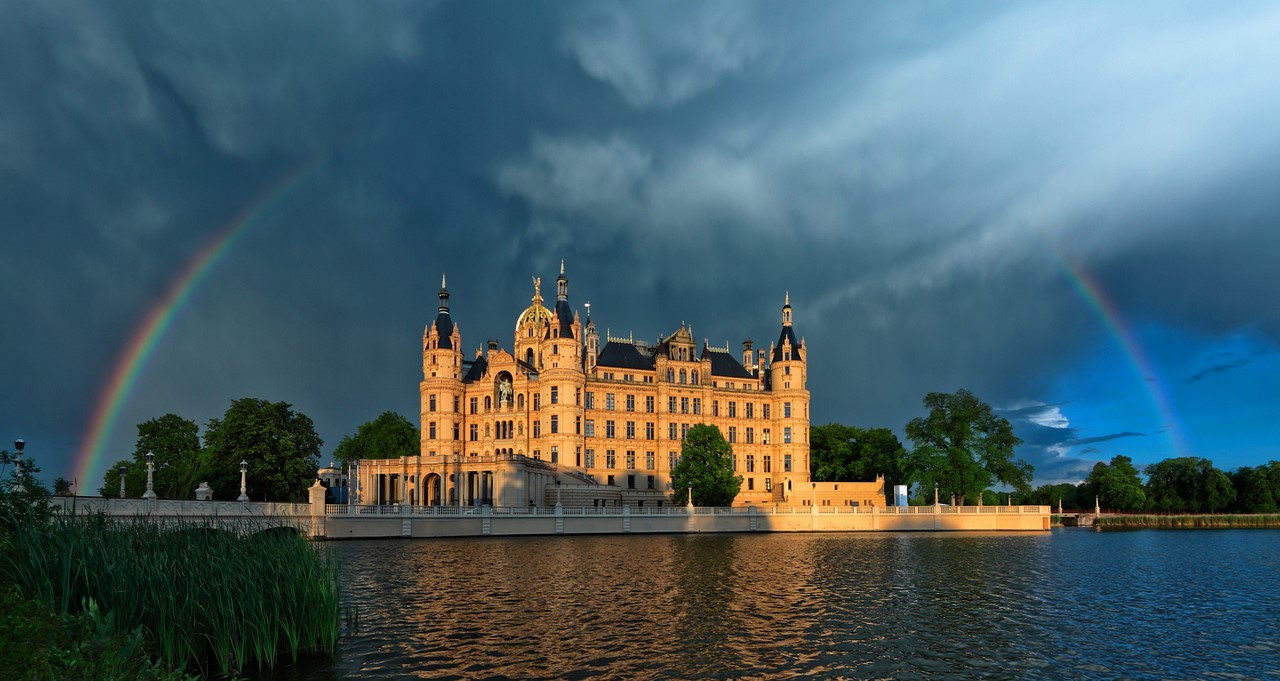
1178	485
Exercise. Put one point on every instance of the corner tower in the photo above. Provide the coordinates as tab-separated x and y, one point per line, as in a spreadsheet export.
441	387
788	374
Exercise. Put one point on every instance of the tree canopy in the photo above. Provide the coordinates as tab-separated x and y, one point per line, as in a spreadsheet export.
964	447
179	460
386	437
1117	485
706	464
1188	484
280	446
839	453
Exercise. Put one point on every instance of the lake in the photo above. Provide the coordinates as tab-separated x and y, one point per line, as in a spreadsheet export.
1071	604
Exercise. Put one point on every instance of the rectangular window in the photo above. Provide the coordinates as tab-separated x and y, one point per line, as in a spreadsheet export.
475	401
591	400
610	481
608	401
671	404
432	400
764	411
631	482
577	425
577	397
648	403
684	430
768	484
577	454
648	462
431	431
764	435
610	459
673	459
589	458
734	459
715	407
651	483
751	435
591	427
751	483
631	430
555	454
555	395
631	402
768	467
786	435
648	430
455	432
751	463
786	463
697	405
671	431
608	428
537	428
786	410
537	401
684	405
733	410
555	423
733	434
631	459
751	408
475	432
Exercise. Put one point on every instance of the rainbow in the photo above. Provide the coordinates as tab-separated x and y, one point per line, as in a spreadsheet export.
115	394
1096	297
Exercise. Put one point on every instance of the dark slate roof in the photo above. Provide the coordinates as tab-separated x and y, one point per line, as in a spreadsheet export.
624	356
478	367
787	334
724	364
444	327
566	318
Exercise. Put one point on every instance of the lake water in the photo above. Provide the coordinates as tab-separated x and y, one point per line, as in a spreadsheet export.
1071	604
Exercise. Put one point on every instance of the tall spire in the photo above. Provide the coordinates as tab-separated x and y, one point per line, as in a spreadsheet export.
444	296
786	310
562	285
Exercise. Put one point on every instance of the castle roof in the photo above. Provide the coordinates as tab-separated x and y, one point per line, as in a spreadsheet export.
787	335
624	356
724	364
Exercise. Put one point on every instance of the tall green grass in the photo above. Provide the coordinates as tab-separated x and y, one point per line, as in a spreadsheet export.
206	599
1207	521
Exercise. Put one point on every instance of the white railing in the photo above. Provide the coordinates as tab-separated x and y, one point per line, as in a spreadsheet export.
467	511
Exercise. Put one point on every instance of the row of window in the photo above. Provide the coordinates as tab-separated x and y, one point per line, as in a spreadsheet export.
505	430
682	405
610	459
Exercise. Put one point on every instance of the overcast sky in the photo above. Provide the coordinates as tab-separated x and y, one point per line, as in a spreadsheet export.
1068	208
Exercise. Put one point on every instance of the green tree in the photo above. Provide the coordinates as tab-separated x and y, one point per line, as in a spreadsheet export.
706	465
175	444
61	487
1117	485
279	445
23	499
1257	489
1051	495
1188	484
839	453
964	447
387	437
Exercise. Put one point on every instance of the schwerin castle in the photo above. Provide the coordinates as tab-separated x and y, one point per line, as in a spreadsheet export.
564	418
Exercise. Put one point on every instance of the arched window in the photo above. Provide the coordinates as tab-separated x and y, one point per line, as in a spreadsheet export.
683	376
693	377
528	356
488	403
520	401
671	375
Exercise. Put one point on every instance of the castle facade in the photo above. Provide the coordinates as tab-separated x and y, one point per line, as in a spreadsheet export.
568	417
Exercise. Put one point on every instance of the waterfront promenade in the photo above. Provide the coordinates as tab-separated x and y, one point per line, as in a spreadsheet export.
342	521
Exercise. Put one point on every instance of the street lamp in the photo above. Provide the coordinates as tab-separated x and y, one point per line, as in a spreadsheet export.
244	466
18	445
151	469
557	492
690	496
935	493
122	470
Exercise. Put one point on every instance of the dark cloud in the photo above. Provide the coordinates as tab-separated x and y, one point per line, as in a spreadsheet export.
1219	368
915	177
1105	438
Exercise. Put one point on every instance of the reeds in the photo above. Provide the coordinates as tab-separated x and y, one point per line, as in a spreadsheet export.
207	599
1204	521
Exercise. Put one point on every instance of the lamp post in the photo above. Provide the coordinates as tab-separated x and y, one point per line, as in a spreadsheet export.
18	445
935	493
122	470
690	496
244	466
953	498
151	469
557	492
